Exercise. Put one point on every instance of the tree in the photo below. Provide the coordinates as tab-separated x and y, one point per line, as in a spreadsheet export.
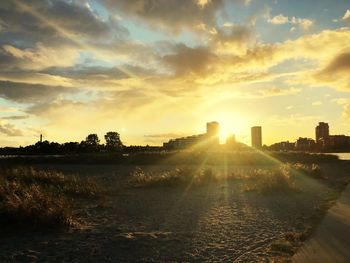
92	139
113	141
91	143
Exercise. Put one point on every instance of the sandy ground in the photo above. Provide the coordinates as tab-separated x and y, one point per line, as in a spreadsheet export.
219	222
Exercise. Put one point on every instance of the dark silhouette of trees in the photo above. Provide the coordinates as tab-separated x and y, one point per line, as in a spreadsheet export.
91	143
92	139
113	142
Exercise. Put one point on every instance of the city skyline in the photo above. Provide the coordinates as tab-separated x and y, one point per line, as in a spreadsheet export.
213	131
155	70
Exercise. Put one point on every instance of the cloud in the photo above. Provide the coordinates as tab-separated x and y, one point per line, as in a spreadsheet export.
171	14
99	73
30	93
232	38
347	111
304	23
15	117
36	58
346	16
340	64
278	20
10	130
57	21
275	91
336	73
187	60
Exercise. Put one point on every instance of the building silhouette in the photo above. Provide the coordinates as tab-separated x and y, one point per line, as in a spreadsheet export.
256	137
206	140
327	142
322	134
305	144
213	132
231	140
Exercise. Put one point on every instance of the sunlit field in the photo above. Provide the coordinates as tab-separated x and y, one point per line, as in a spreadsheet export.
165	211
174	131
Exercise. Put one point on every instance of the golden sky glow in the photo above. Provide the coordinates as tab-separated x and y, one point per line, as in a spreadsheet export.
154	70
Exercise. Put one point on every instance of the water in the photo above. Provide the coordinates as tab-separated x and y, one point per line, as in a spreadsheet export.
342	156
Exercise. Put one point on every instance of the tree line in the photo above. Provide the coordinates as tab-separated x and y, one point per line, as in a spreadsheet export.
91	144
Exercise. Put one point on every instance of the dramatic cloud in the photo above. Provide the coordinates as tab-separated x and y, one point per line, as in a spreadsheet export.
30	93
171	14
55	20
36	58
9	129
340	64
113	64
187	60
346	16
233	39
336	73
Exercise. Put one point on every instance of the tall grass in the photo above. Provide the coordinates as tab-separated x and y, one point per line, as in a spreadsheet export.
273	179
175	177
32	205
32	197
278	180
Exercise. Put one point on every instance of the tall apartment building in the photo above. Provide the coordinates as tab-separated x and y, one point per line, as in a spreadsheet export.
322	132
213	132
256	137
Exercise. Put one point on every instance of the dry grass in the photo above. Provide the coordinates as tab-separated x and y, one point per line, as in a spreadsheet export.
272	179
32	197
66	184
278	180
175	177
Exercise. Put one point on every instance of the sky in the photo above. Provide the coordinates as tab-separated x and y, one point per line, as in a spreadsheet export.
153	70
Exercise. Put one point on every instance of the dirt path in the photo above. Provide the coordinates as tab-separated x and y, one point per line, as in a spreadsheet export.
217	224
331	241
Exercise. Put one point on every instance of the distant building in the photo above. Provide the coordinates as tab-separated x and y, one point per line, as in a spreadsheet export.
327	142
185	142
283	146
305	144
322	133
231	140
213	132
256	136
338	142
205	140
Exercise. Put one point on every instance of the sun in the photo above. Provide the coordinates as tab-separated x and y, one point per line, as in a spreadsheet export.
230	124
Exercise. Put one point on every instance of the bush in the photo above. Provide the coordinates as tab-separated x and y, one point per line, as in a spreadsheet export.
279	180
67	184
32	205
33	197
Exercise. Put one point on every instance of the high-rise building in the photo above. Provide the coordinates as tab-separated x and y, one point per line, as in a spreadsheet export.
256	137
213	128
322	132
213	132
